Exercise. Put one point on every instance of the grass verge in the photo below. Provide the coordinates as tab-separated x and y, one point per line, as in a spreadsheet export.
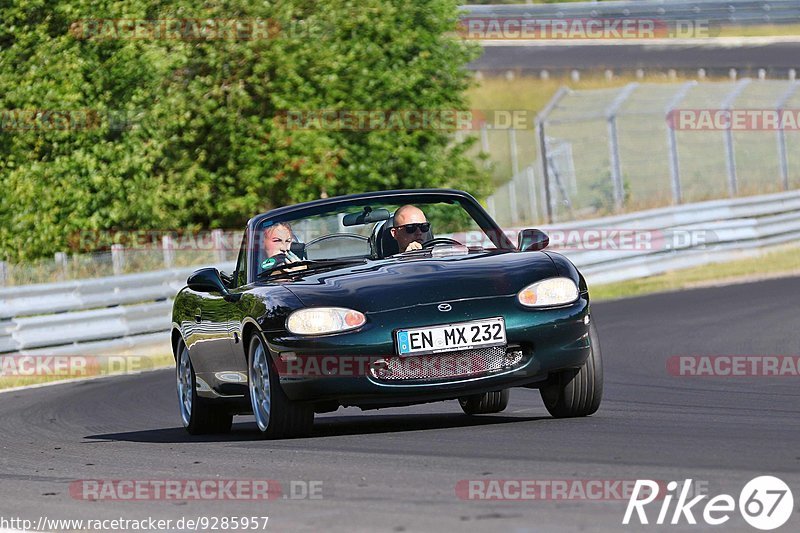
780	262
20	370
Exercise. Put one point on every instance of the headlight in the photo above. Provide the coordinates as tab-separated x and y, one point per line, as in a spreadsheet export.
549	292
322	320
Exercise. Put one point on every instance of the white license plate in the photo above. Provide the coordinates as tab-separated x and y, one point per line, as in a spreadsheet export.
452	337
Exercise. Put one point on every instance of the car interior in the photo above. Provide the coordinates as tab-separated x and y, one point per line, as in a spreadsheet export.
378	245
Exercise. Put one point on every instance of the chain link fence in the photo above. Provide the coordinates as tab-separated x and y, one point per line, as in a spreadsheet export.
648	145
143	252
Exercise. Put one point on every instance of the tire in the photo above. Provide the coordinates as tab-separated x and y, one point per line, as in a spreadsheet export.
486	403
577	392
276	416
199	417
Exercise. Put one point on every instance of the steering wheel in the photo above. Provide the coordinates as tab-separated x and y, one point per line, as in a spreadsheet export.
440	240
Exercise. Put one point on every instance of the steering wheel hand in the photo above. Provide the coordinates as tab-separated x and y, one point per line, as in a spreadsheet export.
440	240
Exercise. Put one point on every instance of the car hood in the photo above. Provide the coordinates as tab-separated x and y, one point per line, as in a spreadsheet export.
417	279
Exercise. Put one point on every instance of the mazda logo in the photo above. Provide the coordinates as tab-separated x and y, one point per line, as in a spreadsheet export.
445	307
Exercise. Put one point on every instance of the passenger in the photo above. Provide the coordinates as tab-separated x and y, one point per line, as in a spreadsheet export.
277	243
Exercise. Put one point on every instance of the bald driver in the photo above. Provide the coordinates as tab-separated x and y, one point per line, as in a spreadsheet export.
410	228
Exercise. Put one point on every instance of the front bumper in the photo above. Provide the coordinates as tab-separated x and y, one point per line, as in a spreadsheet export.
550	340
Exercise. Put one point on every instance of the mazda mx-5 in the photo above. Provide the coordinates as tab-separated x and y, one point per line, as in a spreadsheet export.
382	299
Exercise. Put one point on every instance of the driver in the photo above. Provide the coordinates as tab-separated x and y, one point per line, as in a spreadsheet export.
410	228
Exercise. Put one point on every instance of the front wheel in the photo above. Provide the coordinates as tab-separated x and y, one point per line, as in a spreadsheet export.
577	392
276	416
197	415
486	403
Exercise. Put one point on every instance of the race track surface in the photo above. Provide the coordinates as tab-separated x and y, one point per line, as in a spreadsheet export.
396	469
777	58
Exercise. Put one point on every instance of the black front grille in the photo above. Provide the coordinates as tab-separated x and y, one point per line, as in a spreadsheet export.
447	365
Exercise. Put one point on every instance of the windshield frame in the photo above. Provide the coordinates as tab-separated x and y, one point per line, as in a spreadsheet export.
413	196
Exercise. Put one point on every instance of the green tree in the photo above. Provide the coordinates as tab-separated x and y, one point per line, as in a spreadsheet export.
189	132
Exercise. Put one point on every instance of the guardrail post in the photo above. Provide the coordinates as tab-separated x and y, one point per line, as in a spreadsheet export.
217	239
168	248
730	155
117	258
783	158
613	145
672	142
3	273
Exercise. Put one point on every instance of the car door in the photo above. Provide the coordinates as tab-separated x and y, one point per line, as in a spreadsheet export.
207	331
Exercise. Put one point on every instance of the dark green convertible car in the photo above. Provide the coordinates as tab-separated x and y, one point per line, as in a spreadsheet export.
382	299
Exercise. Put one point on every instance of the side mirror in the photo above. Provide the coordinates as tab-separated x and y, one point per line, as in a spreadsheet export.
530	240
209	280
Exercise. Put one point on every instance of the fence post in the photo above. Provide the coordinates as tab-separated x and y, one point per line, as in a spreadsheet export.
672	142
530	176
490	207
548	198
541	121
485	144
730	155
3	273
219	249
613	144
61	264
117	258
512	148
168	248
783	157
512	201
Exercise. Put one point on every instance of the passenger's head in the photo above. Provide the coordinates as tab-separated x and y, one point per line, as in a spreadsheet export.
277	239
410	225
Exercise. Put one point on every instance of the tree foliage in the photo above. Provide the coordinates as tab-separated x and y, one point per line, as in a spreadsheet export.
186	134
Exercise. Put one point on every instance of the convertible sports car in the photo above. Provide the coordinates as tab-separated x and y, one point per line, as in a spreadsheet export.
341	317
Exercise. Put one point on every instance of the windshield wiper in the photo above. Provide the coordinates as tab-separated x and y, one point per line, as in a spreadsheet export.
309	265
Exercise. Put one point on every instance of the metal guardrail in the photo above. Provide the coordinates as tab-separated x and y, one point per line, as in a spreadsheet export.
120	312
714	11
89	315
736	230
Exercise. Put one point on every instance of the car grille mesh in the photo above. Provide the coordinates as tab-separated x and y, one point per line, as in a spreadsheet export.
447	365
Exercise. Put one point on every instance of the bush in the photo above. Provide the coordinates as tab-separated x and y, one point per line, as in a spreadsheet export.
188	134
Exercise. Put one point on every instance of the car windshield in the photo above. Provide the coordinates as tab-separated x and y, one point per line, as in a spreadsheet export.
363	230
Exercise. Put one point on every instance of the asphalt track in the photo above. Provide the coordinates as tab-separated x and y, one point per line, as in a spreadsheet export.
776	58
396	469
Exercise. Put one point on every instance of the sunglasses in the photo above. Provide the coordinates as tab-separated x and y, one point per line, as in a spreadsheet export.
412	228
